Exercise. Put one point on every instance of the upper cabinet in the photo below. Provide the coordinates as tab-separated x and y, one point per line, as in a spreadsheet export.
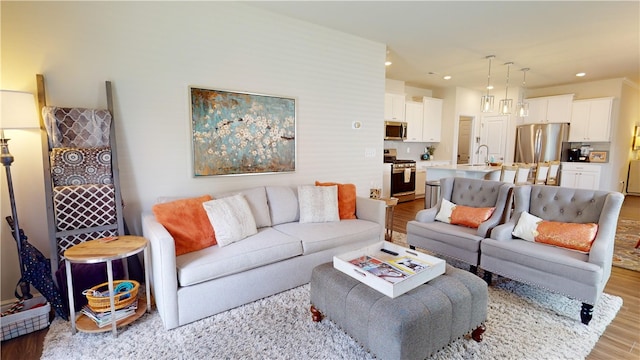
432	121
394	107
591	120
549	109
424	120
414	119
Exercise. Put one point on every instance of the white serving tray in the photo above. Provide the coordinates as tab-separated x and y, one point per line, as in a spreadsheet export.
392	290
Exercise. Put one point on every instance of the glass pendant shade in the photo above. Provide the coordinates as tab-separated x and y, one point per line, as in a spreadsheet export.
523	105
523	109
486	103
506	104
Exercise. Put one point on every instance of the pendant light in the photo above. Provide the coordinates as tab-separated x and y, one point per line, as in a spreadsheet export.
486	102
506	103
523	105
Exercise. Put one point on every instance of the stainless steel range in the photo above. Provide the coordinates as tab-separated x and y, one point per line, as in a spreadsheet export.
403	176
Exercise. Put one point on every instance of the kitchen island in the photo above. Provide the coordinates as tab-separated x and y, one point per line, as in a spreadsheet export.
476	171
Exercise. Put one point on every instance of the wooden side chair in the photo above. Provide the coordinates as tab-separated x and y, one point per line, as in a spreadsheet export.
522	174
508	174
542	171
552	175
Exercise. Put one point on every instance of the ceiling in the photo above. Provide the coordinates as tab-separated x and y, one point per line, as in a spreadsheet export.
429	39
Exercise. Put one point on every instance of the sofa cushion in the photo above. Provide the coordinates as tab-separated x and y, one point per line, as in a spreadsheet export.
318	203
346	199
321	236
257	199
566	263
266	247
283	204
231	218
459	236
187	222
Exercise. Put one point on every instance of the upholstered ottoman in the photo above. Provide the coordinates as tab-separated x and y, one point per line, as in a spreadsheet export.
411	326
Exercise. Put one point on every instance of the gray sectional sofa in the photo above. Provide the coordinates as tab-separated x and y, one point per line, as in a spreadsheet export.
279	257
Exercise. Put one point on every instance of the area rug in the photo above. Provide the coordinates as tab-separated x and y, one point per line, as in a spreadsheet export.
625	255
523	323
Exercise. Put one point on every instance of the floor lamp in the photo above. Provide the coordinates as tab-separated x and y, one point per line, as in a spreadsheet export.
18	111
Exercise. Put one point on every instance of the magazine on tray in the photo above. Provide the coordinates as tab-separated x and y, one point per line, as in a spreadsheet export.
393	270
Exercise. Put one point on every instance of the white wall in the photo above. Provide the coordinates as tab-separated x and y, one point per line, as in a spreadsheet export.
152	52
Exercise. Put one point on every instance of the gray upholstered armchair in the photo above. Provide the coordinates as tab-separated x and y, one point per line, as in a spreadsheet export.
457	241
578	275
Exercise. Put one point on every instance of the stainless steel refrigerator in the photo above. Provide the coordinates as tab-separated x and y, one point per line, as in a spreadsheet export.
540	142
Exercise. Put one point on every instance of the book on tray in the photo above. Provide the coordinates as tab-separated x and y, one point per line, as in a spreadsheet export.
103	319
392	270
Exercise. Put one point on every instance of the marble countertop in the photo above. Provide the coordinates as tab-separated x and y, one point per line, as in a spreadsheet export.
481	168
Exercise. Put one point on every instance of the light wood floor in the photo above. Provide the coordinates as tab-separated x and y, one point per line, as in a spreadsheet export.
621	340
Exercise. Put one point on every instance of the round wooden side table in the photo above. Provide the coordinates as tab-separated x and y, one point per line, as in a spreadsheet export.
106	250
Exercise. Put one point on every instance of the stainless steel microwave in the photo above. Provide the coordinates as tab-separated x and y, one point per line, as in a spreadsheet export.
395	130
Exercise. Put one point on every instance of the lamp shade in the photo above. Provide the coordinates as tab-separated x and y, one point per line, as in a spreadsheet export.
17	110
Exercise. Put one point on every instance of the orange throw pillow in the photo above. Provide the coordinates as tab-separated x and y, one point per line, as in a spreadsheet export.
572	236
187	221
346	199
470	216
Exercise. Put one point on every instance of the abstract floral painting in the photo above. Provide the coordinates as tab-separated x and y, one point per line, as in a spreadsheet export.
242	133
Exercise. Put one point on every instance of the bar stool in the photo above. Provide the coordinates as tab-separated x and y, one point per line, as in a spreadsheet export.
432	189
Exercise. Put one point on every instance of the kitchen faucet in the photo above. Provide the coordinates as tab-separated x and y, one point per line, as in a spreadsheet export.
486	155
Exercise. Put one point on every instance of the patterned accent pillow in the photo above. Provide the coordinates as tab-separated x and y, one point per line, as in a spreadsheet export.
318	203
572	236
463	215
80	166
231	219
346	199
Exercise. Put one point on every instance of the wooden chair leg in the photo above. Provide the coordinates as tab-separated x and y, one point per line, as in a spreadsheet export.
586	313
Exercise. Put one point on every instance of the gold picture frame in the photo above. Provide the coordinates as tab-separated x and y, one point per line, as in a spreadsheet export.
598	156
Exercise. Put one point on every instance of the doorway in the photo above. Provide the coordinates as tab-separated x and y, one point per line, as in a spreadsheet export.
465	130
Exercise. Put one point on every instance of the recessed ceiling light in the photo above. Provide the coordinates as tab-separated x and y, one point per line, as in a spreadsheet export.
447	77
387	63
581	74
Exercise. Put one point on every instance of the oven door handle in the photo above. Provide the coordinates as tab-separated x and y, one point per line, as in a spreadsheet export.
400	171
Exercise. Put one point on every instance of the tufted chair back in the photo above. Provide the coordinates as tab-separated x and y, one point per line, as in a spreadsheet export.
477	193
559	203
471	192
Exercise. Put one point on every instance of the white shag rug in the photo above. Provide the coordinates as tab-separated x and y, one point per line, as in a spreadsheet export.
524	322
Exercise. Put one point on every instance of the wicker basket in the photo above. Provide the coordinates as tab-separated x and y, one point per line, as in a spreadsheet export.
121	299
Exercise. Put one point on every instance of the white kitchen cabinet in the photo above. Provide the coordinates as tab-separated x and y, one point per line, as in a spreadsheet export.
421	178
394	107
591	120
413	117
580	175
432	119
549	109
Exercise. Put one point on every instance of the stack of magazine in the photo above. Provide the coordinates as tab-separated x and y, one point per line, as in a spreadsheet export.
103	319
392	270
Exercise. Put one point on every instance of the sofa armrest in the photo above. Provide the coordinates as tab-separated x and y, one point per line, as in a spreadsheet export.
427	215
372	210
503	232
601	252
164	279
